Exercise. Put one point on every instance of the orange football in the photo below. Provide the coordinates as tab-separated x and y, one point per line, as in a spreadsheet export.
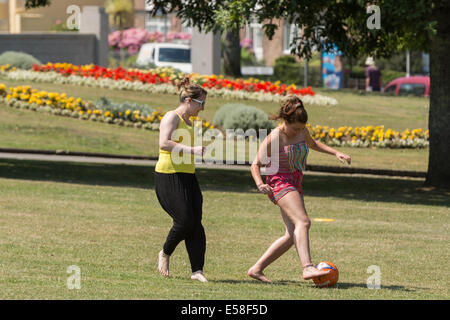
329	279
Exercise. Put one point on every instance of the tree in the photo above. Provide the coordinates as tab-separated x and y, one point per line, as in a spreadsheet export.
36	3
215	16
351	25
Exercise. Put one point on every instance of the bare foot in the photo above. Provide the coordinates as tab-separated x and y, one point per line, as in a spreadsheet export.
258	275
163	263
312	272
198	275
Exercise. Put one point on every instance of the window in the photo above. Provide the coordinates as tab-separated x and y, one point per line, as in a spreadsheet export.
174	55
416	89
391	89
159	24
290	31
254	31
185	28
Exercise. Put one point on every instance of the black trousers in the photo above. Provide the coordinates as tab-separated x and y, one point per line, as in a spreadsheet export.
180	196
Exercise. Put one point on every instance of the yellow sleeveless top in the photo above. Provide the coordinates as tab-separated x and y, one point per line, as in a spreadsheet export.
171	162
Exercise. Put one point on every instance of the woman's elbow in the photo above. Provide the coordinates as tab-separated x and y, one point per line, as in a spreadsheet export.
255	166
164	146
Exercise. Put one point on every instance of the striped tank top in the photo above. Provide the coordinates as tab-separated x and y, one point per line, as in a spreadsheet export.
291	158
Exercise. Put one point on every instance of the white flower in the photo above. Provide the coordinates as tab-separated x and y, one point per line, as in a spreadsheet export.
54	77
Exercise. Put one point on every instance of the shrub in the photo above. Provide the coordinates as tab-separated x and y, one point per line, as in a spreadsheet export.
239	116
224	111
119	110
389	75
386	74
247	57
288	70
358	72
19	60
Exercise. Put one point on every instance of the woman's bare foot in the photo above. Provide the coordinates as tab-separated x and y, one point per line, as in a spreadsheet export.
198	275
163	263
258	275
312	272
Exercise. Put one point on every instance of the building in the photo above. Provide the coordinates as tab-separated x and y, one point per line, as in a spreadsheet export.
15	19
264	49
44	18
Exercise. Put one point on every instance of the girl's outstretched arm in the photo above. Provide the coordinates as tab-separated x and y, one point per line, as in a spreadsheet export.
321	147
258	162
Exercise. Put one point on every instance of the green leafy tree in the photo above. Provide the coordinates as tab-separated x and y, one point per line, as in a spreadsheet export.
215	16
404	25
36	3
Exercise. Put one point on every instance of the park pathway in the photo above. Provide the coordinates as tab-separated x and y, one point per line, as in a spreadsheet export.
58	156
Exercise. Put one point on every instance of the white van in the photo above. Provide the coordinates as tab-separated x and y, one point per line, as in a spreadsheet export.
173	55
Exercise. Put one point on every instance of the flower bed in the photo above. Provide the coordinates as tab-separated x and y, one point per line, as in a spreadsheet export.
124	114
370	136
143	116
163	80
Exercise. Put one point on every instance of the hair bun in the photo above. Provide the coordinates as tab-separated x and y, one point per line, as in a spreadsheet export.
290	109
183	83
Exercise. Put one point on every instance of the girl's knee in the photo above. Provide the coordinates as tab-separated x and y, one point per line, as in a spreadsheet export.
307	222
304	223
184	226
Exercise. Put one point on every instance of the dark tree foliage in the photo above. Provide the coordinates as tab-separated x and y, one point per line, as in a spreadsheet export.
36	3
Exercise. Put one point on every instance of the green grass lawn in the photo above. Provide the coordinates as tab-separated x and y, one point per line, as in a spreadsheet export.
106	220
33	130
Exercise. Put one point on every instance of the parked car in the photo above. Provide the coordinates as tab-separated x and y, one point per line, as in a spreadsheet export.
414	85
173	55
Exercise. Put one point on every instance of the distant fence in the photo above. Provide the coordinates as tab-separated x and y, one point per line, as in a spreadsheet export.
53	47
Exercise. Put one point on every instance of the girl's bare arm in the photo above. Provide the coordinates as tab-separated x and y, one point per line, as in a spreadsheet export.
321	147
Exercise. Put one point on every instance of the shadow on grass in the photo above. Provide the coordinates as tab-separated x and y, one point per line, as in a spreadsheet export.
340	285
251	281
345	285
347	187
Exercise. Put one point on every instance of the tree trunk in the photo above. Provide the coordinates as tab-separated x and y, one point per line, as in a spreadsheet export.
232	53
439	117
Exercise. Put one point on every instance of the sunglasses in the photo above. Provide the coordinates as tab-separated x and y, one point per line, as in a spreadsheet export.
199	101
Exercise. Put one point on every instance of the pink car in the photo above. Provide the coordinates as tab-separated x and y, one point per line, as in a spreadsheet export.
414	85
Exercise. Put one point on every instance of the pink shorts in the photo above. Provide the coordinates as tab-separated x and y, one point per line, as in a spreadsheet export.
282	183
